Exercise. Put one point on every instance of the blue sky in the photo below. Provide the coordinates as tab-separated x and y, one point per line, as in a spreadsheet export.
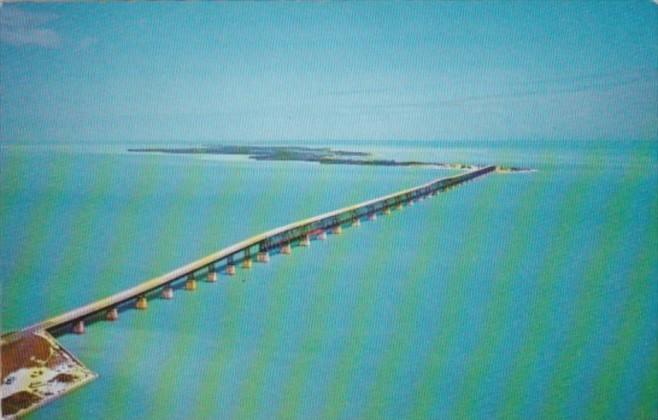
250	72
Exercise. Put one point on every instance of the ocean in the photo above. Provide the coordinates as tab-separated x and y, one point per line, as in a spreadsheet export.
527	295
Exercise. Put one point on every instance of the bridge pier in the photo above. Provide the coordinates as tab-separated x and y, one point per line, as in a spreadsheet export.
263	256
372	216
322	235
190	283
286	249
79	327
212	273
305	241
167	292
356	222
387	211
337	229
246	262
112	314
141	303
230	266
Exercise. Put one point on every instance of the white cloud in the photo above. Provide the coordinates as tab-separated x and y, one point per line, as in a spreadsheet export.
18	27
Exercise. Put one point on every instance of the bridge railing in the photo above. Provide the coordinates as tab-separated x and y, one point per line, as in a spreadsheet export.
265	241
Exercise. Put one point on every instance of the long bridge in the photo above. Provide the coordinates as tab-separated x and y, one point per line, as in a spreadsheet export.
279	239
37	369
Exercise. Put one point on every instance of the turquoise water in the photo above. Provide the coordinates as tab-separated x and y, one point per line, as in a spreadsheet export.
526	295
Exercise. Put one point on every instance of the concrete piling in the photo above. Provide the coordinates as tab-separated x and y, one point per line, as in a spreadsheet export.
79	327
112	314
190	283
141	303
230	269
168	293
247	263
263	257
212	273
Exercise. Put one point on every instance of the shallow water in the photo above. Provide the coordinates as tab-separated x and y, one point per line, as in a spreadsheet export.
516	295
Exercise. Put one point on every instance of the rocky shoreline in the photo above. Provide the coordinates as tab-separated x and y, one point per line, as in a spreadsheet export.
35	370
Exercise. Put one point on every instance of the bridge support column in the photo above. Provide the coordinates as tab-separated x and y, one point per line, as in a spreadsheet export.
141	303
399	206
246	262
372	216
387	211
212	273
230	266
79	327
286	249
168	293
263	256
112	314
322	235
356	222
305	241
190	283
337	230
230	269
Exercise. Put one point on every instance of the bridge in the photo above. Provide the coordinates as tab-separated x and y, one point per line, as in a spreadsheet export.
28	353
281	239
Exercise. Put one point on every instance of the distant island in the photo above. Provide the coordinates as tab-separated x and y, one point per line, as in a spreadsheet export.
322	155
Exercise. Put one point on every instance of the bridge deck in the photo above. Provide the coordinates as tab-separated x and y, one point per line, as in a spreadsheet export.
283	233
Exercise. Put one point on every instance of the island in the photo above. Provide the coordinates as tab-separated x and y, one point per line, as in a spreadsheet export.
322	155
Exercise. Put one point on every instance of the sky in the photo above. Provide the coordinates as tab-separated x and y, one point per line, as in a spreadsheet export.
254	72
